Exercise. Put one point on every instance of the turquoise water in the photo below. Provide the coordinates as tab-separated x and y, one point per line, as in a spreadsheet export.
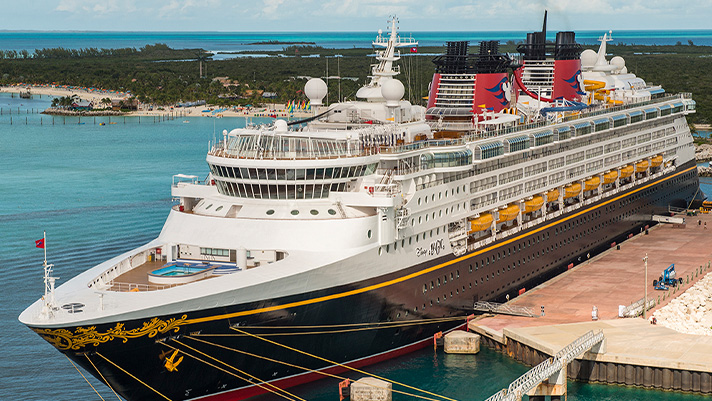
237	41
99	191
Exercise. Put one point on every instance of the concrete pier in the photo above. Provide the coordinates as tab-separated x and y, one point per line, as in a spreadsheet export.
461	342
636	353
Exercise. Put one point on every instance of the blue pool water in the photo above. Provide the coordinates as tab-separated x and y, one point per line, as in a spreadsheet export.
179	269
100	191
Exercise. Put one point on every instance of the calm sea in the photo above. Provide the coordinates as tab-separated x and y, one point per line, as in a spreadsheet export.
238	41
101	190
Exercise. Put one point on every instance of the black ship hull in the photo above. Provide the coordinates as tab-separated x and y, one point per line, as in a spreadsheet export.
227	352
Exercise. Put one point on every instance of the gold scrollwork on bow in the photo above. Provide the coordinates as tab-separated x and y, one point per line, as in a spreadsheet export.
64	339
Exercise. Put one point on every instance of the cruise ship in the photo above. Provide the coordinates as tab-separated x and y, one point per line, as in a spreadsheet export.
356	235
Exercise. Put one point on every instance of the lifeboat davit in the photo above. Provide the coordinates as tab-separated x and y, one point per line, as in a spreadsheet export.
481	223
572	190
656	161
627	171
552	195
508	214
610	177
592	183
641	166
534	203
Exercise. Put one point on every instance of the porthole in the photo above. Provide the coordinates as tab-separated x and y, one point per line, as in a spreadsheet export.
295	212
270	212
420	219
418	201
209	206
314	212
331	211
219	208
432	197
380	251
369	234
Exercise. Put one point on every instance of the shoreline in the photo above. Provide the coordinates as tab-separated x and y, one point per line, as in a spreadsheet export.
272	110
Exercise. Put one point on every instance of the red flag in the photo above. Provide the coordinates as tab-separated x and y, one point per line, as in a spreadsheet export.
413	49
39	243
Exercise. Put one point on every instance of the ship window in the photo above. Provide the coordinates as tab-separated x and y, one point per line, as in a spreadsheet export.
270	212
295	212
219	208
332	212
209	206
314	212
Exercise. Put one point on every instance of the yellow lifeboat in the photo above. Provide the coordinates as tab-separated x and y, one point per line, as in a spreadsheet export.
533	204
592	183
508	214
481	223
572	190
656	161
552	195
641	166
610	177
627	171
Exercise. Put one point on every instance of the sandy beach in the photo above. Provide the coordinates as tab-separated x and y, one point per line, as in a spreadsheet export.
96	95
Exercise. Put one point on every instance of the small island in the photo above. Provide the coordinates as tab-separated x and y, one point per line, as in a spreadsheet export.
279	42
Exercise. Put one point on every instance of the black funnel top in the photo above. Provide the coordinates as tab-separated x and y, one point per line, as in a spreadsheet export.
456	60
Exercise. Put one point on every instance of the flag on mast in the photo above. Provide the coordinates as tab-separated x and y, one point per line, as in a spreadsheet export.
40	243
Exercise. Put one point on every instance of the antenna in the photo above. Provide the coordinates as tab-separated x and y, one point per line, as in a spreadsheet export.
543	28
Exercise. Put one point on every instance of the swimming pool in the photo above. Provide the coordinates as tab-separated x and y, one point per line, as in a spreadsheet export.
180	273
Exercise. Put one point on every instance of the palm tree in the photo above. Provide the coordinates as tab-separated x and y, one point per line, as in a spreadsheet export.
202	56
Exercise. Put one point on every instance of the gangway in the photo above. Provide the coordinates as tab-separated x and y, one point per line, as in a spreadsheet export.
503	309
552	369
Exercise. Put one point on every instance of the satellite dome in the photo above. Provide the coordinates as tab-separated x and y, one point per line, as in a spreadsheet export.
393	91
315	89
618	61
280	126
588	58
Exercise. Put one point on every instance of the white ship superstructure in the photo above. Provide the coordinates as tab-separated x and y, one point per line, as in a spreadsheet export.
378	211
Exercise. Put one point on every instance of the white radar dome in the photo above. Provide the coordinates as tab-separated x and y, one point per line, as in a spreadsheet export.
618	61
588	58
393	91
315	89
280	126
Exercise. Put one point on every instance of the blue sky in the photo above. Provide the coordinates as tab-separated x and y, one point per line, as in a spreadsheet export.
351	15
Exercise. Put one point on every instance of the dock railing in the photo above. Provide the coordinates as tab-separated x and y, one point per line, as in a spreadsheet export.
548	368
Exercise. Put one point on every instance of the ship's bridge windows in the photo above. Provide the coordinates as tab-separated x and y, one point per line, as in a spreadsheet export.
309	174
677	107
